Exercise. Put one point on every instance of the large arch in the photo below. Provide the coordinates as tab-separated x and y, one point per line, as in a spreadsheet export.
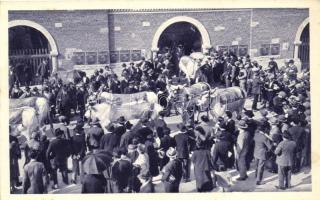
206	44
297	41
54	49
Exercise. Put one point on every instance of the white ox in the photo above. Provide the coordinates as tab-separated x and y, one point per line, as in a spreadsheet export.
131	106
29	114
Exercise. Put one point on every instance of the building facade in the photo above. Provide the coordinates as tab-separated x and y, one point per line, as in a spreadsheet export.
89	39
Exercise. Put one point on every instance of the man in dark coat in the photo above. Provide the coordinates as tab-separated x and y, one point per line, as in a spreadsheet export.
256	88
153	156
220	153
58	152
94	183
43	71
285	160
172	172
111	140
78	144
183	150
64	103
127	137
121	170
252	126
262	145
144	131
242	147
298	135
94	134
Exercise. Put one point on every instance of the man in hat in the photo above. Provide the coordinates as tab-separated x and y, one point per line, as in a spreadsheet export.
271	88
127	137
242	77
256	85
82	97
121	170
64	103
275	132
63	126
35	180
278	102
242	148
58	152
153	156
43	71
78	144
285	154
94	134
144	131
273	66
262	144
221	153
27	93
298	135
172	172
110	140
182	143
252	126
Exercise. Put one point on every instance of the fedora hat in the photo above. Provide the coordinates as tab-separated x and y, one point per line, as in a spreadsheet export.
242	124
171	152
249	113
121	120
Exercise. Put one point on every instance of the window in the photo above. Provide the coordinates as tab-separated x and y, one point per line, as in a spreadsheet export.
269	49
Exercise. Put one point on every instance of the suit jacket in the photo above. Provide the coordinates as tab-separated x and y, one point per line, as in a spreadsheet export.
126	139
243	142
121	172
33	178
143	132
110	141
256	85
78	142
262	145
93	183
220	153
231	126
94	135
298	135
182	145
59	150
285	152
202	166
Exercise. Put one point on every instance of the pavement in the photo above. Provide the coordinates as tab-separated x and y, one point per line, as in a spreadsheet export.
300	181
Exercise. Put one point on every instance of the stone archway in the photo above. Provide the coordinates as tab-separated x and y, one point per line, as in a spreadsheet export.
206	44
298	42
54	49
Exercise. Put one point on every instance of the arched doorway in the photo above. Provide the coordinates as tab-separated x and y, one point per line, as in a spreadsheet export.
181	34
302	44
29	45
187	23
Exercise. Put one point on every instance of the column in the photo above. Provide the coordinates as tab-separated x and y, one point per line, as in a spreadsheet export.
296	58
206	48
54	60
154	52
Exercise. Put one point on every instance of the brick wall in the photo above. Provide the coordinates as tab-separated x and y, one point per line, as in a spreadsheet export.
101	30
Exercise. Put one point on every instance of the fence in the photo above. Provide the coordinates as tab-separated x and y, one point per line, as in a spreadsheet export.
26	62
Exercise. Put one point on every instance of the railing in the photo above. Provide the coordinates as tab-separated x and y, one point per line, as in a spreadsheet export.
31	58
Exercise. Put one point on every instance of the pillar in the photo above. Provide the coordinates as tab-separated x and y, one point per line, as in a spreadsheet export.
54	60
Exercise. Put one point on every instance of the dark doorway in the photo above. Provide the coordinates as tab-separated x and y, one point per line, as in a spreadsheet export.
304	51
28	47
181	33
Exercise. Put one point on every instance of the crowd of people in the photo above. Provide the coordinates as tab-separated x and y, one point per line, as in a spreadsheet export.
275	133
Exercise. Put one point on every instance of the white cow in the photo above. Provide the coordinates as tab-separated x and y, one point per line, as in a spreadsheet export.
130	106
29	114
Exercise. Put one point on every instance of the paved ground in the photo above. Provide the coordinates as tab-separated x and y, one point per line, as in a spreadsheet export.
300	181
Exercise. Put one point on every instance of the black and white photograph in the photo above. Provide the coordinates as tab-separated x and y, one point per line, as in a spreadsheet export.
159	100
